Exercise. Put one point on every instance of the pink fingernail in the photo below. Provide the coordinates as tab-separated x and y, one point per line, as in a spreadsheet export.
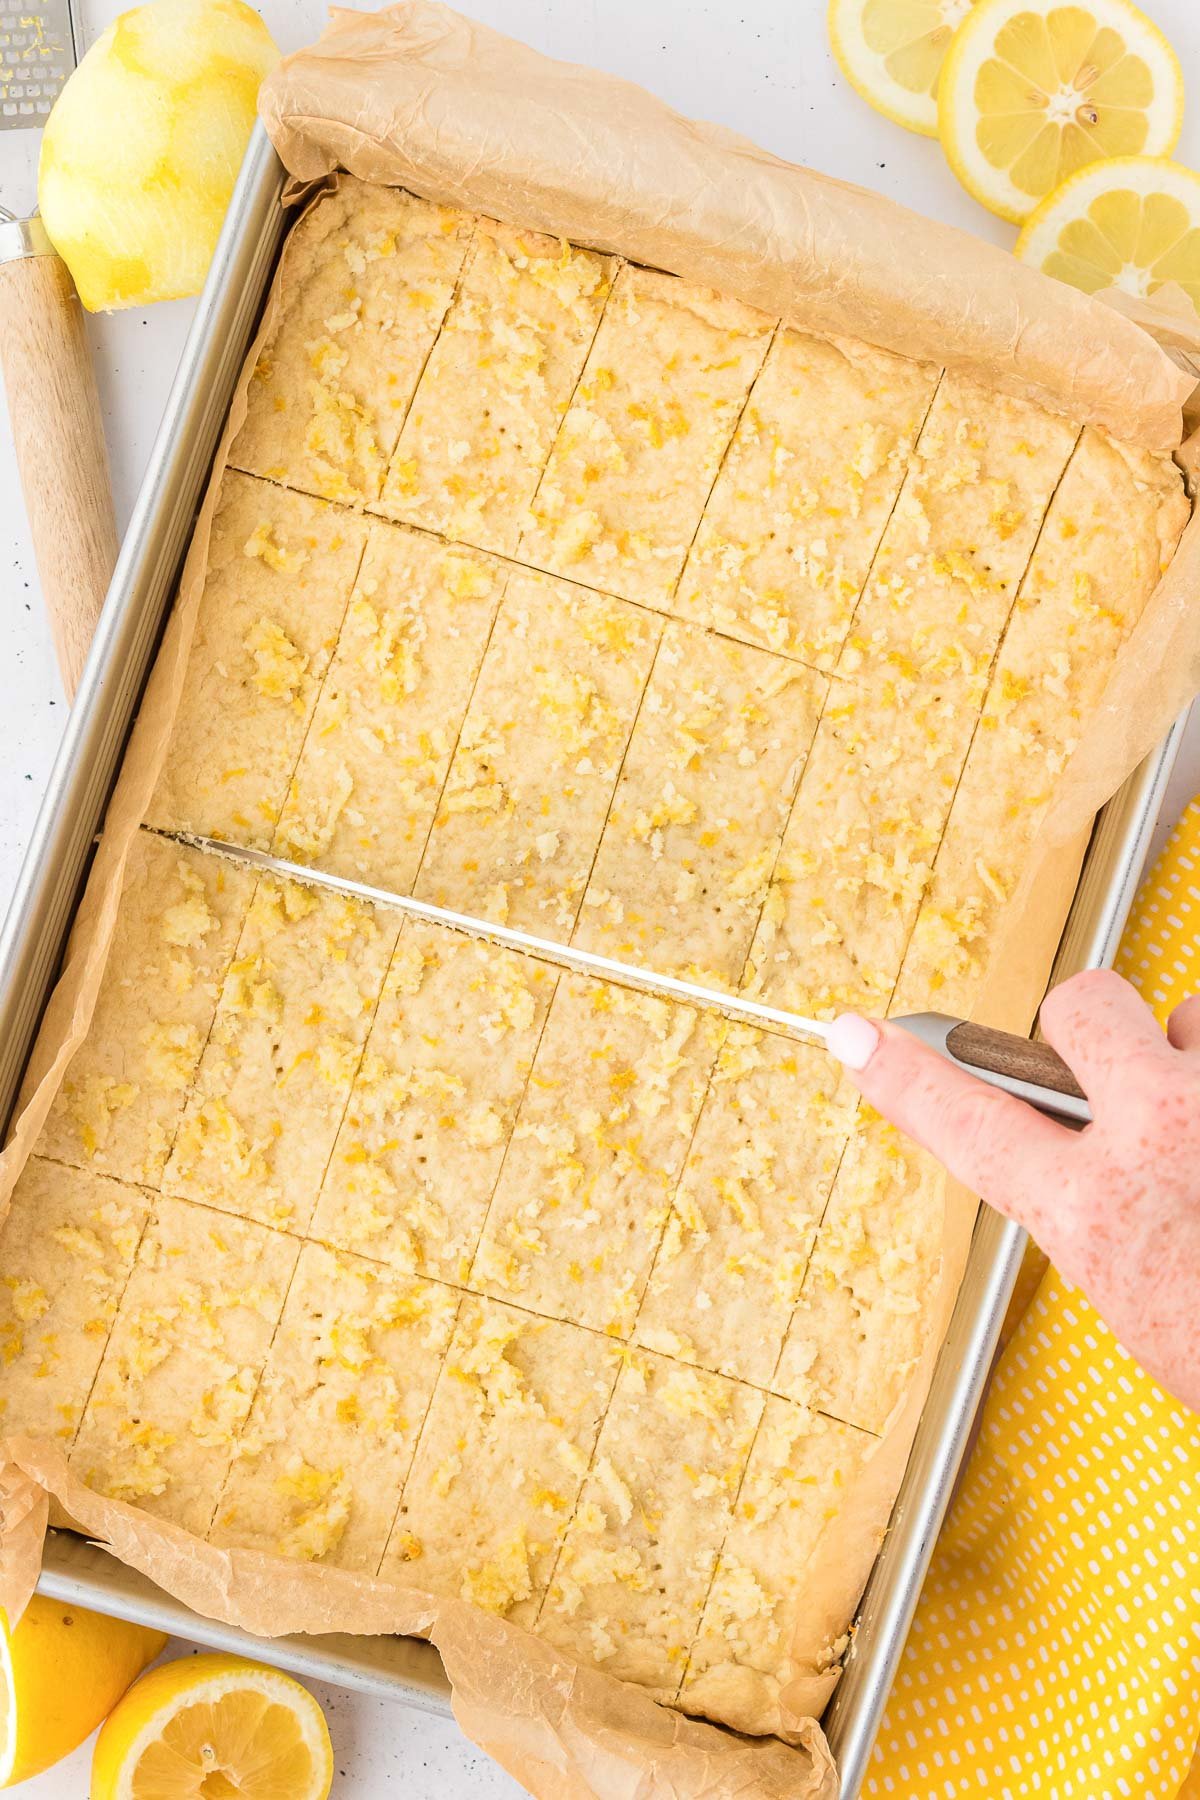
853	1040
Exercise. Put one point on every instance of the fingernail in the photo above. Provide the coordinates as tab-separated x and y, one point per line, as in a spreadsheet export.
853	1040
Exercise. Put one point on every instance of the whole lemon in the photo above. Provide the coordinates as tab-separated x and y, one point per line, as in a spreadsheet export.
142	148
61	1671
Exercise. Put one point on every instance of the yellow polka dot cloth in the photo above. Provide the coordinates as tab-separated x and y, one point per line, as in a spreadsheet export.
1056	1647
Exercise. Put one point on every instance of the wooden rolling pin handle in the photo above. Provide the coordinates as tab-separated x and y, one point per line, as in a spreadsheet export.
59	438
1017	1057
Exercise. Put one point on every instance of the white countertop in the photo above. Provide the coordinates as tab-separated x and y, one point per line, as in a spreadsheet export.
760	66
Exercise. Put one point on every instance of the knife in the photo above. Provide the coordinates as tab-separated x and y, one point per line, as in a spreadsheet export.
1030	1071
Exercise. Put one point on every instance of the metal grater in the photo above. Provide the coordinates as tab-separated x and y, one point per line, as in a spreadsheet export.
37	53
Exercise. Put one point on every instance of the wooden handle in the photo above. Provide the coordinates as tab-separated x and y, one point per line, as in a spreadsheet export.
1016	1057
55	414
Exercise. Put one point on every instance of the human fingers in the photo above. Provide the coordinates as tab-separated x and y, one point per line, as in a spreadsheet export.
1104	1032
1183	1026
998	1146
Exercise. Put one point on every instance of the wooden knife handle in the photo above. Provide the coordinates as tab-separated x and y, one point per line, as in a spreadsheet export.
59	438
1017	1057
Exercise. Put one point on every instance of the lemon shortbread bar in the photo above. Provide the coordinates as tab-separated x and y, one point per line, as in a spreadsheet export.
637	1560
859	1327
178	921
1110	532
733	1257
631	469
496	386
67	1248
184	1359
797	512
286	1043
278	578
531	780
337	1414
368	275
888	753
370	774
761	1625
691	840
860	842
597	1147
952	555
433	1105
514	1418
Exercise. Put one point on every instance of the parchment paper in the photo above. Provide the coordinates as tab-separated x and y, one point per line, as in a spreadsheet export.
418	96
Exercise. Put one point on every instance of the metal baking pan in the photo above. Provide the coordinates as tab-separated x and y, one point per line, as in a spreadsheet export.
47	892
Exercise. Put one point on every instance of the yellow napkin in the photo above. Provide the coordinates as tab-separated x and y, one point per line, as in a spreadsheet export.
1056	1647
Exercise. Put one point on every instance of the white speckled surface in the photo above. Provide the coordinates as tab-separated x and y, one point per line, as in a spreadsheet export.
760	66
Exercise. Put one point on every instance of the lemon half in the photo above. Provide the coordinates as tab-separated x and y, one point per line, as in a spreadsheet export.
212	1728
892	52
1133	223
61	1670
1032	91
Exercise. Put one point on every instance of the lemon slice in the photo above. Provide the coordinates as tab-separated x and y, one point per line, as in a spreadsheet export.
1031	92
892	52
209	1726
61	1670
1132	223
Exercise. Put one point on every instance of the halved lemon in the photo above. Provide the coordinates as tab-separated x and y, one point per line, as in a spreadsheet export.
1132	223
212	1728
892	52
1032	91
61	1670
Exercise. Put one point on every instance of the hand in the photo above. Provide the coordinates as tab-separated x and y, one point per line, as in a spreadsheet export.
1116	1206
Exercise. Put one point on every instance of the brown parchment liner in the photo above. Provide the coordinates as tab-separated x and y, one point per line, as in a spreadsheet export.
420	97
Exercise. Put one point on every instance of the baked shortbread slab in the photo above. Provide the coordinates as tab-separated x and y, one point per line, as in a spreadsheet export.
736	651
